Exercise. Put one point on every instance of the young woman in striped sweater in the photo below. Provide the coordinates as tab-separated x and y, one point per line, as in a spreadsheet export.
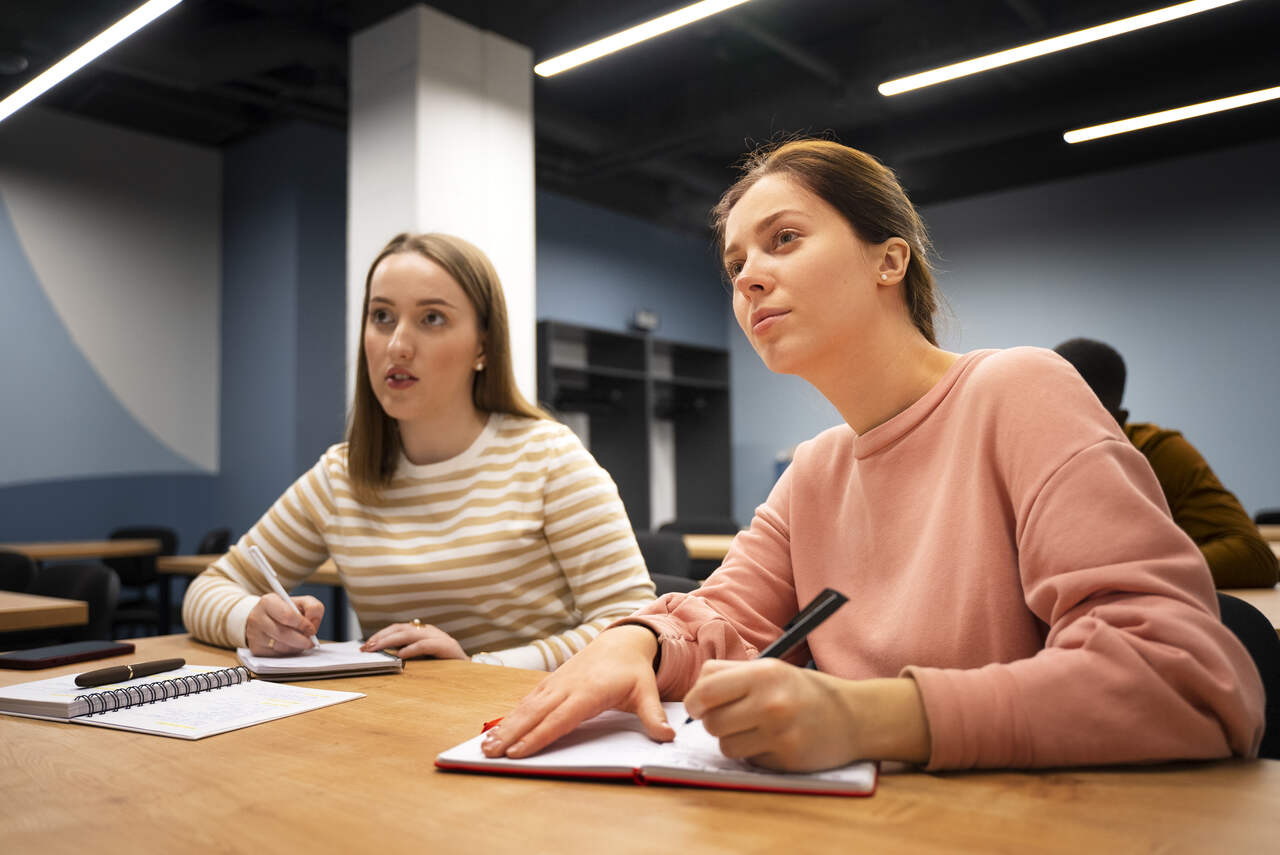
463	521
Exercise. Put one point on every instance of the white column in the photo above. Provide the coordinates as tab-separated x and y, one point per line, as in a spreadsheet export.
441	139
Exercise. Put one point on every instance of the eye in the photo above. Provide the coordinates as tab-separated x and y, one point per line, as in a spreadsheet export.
379	317
784	237
732	268
434	319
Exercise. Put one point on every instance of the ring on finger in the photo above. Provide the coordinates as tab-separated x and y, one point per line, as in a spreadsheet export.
271	644
418	623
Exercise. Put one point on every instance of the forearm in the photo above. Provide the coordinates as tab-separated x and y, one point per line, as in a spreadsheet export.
887	718
215	609
1241	561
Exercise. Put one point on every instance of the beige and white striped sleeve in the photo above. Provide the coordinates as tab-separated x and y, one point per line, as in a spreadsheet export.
218	601
591	539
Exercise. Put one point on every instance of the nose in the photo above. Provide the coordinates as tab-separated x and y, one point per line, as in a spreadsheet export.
400	347
753	278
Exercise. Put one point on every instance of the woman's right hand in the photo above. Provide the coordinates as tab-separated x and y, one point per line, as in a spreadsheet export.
615	671
274	628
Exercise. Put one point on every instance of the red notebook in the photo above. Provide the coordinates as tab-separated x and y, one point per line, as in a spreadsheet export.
613	746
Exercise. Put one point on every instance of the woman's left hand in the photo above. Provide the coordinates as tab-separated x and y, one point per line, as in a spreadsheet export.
416	640
798	720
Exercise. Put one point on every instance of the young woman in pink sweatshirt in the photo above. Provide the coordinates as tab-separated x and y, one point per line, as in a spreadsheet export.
1018	593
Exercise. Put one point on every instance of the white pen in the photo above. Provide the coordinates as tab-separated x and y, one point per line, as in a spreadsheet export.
256	556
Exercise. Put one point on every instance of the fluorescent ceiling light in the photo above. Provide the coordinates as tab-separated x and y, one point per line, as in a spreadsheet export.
634	35
1177	114
85	54
1053	45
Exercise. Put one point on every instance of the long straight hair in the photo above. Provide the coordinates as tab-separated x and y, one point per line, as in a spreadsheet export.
373	437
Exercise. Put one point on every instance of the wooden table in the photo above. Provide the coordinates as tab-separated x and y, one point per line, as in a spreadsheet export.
1270	532
72	550
32	611
707	547
326	574
358	777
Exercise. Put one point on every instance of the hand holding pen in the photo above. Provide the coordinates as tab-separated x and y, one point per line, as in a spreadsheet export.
799	720
280	625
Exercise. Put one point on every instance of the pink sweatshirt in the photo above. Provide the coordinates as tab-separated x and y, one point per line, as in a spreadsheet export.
1002	543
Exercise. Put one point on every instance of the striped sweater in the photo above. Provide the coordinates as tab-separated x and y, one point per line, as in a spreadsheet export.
518	546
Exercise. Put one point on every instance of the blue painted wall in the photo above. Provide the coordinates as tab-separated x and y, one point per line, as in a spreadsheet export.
1172	263
596	267
283	290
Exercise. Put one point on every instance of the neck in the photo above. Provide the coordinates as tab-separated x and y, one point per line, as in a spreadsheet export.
440	437
872	383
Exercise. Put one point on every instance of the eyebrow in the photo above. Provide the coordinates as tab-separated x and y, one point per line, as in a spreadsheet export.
430	301
761	226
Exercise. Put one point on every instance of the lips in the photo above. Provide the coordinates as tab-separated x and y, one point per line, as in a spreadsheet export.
398	378
763	319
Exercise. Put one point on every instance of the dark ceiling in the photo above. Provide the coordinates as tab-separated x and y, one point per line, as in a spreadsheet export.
654	130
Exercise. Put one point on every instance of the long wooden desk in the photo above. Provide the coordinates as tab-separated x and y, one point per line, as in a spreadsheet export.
32	611
707	547
359	777
73	550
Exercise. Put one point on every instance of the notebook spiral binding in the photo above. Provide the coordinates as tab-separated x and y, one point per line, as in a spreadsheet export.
162	690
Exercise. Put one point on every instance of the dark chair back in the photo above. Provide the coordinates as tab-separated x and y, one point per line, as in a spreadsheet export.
702	525
666	584
217	541
1267	516
1259	637
664	552
141	570
91	582
16	571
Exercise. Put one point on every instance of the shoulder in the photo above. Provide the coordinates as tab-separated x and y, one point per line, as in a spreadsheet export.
1147	436
828	446
531	440
1017	368
522	430
333	463
1163	447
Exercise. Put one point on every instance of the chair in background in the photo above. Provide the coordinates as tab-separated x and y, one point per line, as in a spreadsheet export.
91	582
702	525
1259	637
16	571
665	552
215	542
666	584
1267	516
137	610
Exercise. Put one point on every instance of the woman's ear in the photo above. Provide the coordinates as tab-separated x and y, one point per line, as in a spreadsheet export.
894	257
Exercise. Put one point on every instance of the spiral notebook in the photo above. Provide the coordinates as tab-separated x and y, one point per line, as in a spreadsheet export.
192	702
614	746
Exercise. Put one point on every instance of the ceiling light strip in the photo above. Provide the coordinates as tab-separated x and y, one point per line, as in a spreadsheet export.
1053	45
1177	114
85	54
640	32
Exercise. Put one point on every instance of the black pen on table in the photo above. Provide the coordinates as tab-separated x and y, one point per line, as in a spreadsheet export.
810	617
120	673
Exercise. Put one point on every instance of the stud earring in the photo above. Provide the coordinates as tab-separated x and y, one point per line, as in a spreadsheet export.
480	365
884	276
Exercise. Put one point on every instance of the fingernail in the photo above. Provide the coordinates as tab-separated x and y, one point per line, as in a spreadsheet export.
516	750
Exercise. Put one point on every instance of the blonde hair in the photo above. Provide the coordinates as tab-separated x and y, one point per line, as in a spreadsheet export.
865	192
373	437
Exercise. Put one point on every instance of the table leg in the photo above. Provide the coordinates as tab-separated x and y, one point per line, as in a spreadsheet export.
339	613
164	604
